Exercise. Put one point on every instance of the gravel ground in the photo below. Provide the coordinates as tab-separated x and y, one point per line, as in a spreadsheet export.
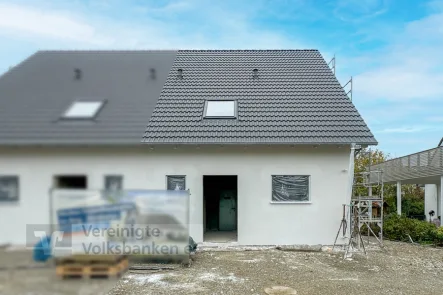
398	269
19	276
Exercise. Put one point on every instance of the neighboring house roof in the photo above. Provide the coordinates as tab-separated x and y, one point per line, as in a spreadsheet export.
36	93
296	99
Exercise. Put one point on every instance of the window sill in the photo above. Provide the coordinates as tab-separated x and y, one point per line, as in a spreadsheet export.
295	202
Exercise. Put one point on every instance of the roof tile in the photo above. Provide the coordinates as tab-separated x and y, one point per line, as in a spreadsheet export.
31	104
295	99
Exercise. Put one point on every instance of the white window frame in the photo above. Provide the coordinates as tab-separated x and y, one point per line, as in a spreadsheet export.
309	201
17	180
93	115
234	116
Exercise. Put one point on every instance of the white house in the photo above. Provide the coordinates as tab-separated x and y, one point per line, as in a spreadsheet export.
261	138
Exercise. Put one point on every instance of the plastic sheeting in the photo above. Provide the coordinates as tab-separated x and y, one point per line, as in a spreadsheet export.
290	188
176	183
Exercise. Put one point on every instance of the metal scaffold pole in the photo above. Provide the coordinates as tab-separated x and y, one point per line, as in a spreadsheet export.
366	206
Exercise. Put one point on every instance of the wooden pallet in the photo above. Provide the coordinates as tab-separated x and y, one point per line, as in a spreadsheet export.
89	259
92	269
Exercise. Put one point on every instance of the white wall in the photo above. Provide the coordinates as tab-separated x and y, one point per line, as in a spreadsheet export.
431	200
259	221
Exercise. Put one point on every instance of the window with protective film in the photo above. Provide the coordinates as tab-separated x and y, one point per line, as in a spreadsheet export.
176	182
290	188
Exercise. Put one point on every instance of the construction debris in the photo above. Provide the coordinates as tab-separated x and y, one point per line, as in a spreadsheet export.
300	248
152	267
280	290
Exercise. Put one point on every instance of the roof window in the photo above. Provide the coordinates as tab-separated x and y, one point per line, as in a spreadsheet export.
220	109
83	110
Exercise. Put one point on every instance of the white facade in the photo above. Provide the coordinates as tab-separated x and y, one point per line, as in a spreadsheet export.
260	222
433	199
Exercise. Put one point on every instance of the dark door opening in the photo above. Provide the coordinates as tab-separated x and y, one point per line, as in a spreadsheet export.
220	208
71	182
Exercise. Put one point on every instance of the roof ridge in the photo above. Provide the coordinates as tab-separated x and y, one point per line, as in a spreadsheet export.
105	50
243	50
167	50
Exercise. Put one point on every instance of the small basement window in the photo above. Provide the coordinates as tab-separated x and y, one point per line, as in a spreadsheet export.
83	110
220	109
290	188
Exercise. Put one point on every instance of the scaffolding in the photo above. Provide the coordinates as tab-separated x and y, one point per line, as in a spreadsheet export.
349	92
365	212
332	66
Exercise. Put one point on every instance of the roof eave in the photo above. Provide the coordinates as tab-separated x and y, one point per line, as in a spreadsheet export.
146	142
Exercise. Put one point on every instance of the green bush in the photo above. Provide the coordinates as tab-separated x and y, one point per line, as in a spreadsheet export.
439	237
399	227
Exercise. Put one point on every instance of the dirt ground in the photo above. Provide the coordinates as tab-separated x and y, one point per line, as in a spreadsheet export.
19	275
398	269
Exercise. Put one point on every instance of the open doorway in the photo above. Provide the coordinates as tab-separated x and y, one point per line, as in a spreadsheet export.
70	181
220	208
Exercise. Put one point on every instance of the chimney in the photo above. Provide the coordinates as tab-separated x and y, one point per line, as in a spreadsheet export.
152	73
255	73
77	74
180	73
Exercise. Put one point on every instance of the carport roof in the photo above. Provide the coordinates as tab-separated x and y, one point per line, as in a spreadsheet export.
424	167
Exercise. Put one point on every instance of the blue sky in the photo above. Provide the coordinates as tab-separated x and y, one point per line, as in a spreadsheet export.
393	49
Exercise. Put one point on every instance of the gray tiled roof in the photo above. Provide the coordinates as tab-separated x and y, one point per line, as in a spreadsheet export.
295	99
35	94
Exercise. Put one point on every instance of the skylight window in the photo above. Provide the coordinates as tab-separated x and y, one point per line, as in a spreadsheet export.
220	109
83	110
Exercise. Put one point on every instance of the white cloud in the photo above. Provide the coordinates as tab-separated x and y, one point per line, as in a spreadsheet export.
400	130
436	5
117	24
435	118
29	21
399	83
409	129
358	10
410	67
175	25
